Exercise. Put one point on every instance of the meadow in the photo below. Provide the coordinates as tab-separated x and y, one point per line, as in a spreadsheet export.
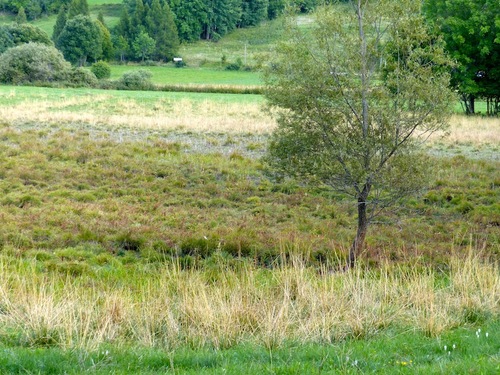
142	233
155	209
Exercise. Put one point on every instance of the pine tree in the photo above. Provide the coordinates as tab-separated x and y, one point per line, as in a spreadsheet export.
107	45
162	28
190	18
62	17
77	7
21	16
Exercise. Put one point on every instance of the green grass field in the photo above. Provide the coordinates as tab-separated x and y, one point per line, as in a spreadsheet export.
170	75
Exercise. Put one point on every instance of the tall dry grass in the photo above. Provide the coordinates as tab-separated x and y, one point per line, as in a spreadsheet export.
471	129
104	111
224	306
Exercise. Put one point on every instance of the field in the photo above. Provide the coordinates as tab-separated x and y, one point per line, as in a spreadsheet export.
155	209
142	233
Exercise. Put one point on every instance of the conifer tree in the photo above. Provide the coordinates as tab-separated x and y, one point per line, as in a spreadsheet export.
78	7
106	43
62	17
21	16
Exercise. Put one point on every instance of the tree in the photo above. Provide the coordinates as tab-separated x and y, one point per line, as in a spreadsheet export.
6	39
61	19
353	100
106	43
80	39
101	70
143	45
275	8
253	12
21	16
32	62
471	29
189	18
222	16
161	27
121	46
77	8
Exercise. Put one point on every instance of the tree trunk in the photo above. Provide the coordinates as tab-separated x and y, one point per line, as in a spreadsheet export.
359	241
469	102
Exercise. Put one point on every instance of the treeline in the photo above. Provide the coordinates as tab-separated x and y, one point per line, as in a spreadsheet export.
194	19
147	29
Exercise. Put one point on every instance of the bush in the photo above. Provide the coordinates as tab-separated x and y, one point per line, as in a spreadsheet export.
180	64
26	33
235	66
32	62
80	77
136	80
101	69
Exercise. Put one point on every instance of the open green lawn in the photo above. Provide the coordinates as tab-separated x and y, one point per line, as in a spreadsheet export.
170	75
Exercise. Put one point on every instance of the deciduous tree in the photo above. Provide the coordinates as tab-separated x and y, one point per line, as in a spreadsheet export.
143	45
80	39
354	98
471	29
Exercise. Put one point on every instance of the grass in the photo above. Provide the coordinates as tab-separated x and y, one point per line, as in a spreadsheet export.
112	184
195	261
192	76
236	317
250	45
391	353
143	110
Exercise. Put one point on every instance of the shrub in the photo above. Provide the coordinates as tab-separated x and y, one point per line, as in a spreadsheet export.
235	66
180	64
26	33
32	62
101	69
136	80
80	77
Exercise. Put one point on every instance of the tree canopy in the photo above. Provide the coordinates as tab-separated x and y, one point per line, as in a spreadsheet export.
79	40
471	29
354	98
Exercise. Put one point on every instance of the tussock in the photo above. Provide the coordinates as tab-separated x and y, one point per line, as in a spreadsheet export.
173	307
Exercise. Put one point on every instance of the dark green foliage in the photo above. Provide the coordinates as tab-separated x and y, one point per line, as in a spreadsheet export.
25	33
101	70
253	12
471	29
80	40
275	8
189	18
235	66
154	20
77	8
221	18
32	62
62	17
6	39
108	51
